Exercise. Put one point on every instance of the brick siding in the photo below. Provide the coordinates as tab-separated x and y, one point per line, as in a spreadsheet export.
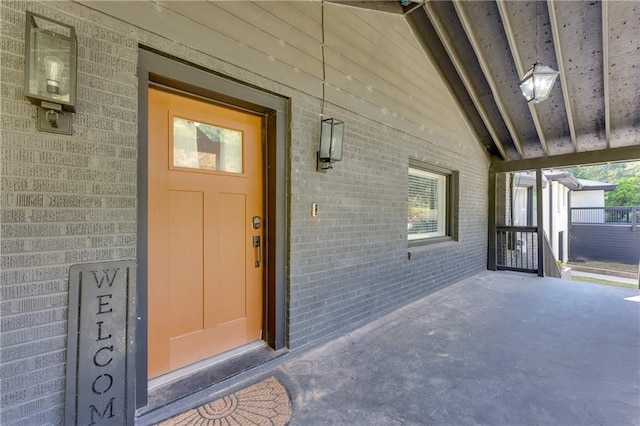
65	200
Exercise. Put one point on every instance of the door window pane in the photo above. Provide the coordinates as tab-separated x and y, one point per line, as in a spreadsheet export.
206	147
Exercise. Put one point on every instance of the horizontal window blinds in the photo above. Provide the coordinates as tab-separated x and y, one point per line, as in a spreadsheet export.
426	202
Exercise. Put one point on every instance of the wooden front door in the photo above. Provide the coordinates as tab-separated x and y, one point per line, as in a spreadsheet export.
205	268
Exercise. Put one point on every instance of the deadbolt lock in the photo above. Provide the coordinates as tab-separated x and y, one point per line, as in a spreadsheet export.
257	222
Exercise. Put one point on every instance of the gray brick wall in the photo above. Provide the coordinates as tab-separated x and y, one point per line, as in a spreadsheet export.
503	199
65	200
349	264
72	199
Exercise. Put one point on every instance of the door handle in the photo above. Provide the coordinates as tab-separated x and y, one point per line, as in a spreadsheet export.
256	243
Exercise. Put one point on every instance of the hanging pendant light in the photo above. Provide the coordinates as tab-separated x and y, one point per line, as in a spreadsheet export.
537	83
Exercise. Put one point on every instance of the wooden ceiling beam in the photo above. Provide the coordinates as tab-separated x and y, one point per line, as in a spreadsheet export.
555	32
458	63
467	25
583	158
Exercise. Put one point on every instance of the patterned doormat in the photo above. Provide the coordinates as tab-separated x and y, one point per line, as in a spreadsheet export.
265	403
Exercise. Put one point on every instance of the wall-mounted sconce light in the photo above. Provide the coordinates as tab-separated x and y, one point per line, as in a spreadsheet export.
330	150
50	71
537	83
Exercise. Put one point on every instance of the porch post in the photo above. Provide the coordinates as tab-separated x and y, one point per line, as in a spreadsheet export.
569	225
491	241
540	222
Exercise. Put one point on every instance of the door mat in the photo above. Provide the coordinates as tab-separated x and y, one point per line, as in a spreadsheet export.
265	403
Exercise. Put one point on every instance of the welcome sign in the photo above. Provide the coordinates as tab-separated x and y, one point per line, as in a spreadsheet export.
100	356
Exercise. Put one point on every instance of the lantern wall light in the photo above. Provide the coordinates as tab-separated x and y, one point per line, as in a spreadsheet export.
331	129
331	134
50	71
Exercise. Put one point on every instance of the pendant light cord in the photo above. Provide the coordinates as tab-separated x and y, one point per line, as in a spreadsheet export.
324	70
537	24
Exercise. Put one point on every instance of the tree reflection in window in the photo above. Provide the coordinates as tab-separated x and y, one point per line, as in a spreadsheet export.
203	146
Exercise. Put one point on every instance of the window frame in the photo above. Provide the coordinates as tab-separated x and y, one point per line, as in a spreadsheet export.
451	202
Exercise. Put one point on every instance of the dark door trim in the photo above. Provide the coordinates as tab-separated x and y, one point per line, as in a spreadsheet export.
156	69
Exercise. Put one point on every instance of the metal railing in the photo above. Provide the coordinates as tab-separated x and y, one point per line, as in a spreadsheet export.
605	215
517	248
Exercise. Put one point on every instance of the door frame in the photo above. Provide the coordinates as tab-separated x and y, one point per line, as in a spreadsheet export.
157	69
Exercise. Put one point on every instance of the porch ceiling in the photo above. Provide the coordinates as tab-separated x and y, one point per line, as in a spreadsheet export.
485	47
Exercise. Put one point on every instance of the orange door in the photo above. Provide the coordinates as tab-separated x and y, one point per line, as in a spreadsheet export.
205	188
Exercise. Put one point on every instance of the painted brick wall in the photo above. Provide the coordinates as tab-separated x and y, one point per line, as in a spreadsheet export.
72	199
65	200
503	201
350	264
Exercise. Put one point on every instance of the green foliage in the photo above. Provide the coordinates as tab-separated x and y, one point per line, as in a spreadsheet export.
627	193
605	282
609	173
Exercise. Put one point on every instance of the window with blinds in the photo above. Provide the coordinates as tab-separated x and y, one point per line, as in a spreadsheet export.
427	201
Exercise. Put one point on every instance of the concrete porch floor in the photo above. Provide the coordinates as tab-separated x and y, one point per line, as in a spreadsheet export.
497	348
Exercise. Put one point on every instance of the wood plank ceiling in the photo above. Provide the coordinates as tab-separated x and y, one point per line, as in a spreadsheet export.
484	48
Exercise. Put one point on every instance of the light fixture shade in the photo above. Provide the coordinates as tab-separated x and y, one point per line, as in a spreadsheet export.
331	134
537	83
50	65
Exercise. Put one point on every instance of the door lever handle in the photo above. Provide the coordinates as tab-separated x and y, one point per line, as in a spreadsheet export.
256	243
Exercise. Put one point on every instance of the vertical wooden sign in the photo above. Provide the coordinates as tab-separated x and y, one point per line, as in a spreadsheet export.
100	353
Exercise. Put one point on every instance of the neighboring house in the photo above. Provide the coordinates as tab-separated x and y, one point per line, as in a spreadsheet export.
561	192
591	194
556	212
557	187
523	187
